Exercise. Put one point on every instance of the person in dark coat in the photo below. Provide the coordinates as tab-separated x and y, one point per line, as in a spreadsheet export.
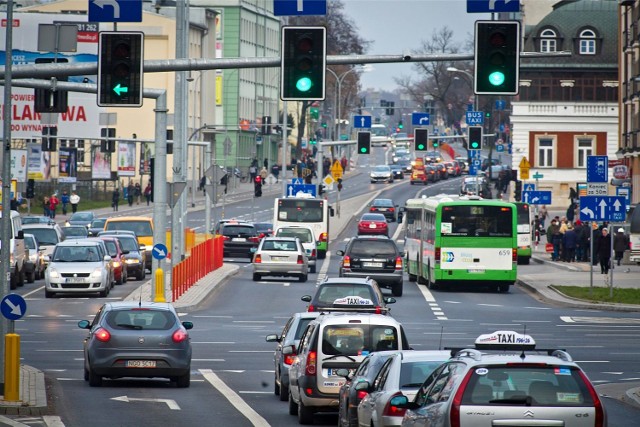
569	242
604	251
596	241
578	228
620	244
115	199
555	237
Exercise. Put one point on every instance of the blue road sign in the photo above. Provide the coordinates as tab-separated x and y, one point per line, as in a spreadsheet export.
597	168
500	148
159	251
484	6
537	197
475	118
529	186
361	121
474	167
299	7
420	119
602	208
115	10
626	193
13	306
293	189
501	104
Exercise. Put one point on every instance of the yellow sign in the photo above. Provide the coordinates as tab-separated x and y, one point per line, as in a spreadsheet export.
524	163
328	180
336	170
524	173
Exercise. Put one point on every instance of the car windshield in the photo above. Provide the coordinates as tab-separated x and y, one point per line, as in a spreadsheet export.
371	248
81	216
373	217
381	169
128	244
279	245
76	254
45	236
354	339
98	223
30	242
141	319
34	220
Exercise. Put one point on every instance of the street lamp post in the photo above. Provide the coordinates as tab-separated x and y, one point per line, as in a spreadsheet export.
468	74
337	106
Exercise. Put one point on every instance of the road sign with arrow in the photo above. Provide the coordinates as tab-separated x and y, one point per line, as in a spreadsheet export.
602	208
537	197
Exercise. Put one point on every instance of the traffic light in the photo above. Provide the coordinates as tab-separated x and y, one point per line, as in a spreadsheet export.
257	186
49	138
435	144
390	108
266	125
420	139
120	69
303	63
517	194
497	57
31	191
364	142
321	189
400	124
48	101
475	137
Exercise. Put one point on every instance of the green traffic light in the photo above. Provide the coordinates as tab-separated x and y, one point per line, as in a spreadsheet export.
420	146
119	90
474	145
496	78
303	84
363	150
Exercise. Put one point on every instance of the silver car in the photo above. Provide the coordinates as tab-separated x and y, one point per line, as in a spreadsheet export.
137	339
308	240
79	266
36	266
504	380
381	173
280	256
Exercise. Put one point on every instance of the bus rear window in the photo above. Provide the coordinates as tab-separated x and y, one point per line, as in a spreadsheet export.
297	210
476	221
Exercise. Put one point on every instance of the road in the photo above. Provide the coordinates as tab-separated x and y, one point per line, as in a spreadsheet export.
232	367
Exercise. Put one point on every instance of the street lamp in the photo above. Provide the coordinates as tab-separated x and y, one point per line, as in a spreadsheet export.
468	74
337	104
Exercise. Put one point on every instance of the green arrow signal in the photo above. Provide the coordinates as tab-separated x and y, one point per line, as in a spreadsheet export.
119	90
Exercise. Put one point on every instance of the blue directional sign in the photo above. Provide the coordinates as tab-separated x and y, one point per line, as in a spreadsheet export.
420	119
528	186
597	168
602	208
115	10
484	6
475	118
13	306
299	7
537	197
361	121
159	251
292	189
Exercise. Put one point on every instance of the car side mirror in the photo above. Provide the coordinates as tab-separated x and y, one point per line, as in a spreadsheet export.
272	338
340	252
402	254
331	211
107	258
389	300
47	258
143	248
400	401
20	235
289	350
124	252
363	386
84	324
187	325
343	373
306	298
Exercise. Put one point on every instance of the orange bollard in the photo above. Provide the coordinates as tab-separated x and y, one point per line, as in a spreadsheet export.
159	291
12	367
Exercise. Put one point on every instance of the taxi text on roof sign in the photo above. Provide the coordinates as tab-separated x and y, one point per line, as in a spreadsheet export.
505	338
353	300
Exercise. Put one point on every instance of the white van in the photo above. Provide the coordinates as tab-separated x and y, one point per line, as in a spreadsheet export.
19	251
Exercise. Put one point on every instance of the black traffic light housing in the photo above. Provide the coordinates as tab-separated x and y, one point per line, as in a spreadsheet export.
49	138
303	63
517	193
497	57
435	143
48	101
120	69
420	139
257	186
31	190
475	137
364	142
321	189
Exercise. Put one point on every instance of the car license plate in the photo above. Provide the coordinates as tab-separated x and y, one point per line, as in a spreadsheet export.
333	372
75	279
372	226
475	270
238	239
278	258
141	364
382	209
372	264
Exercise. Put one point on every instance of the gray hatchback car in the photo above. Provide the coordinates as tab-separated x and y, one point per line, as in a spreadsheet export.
137	339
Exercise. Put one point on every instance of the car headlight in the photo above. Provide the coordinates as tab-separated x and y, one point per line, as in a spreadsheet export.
66	223
116	264
132	261
53	273
97	272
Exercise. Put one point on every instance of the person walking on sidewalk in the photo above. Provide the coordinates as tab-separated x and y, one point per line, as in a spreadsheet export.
147	193
74	199
554	236
115	199
263	175
53	205
569	241
130	190
137	192
604	251
620	244
64	199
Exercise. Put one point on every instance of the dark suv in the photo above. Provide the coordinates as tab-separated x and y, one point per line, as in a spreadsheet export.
239	239
376	257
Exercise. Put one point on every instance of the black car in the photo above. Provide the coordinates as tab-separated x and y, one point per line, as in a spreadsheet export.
350	397
135	258
239	239
385	207
347	294
265	228
397	171
375	257
96	226
405	165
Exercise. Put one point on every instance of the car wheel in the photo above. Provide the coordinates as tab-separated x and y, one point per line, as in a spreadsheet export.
503	288
103	294
86	374
411	182
141	274
305	415
21	277
31	277
183	381
48	294
94	380
313	268
303	278
397	290
276	387
322	254
293	406
256	277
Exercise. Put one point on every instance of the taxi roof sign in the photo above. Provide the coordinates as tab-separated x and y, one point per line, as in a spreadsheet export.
353	300
505	340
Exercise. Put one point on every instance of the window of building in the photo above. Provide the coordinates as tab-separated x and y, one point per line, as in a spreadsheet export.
587	42
545	146
548	41
585	148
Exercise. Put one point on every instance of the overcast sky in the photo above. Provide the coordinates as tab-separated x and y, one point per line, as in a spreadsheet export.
399	26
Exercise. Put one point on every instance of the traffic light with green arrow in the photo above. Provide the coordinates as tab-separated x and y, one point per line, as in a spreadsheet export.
120	69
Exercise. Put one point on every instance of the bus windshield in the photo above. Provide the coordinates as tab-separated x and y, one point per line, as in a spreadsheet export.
476	220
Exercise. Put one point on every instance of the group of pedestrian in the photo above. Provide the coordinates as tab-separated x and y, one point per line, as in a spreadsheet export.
50	203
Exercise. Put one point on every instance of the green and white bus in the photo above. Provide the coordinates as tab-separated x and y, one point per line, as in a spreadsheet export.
524	232
452	240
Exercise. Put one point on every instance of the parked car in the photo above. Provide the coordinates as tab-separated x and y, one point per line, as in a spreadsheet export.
280	256
137	339
385	207
381	173
80	218
307	238
36	267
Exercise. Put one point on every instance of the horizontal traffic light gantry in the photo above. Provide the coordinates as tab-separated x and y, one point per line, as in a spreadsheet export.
420	139
475	137
303	63
497	57
364	142
120	69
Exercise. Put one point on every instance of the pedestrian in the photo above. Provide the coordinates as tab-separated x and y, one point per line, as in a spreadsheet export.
115	199
203	182
578	228
597	233
45	206
74	199
604	251
555	238
264	174
253	172
571	211
569	241
130	193
275	170
620	244
147	193
543	214
64	199
137	192
53	205
265	163
536	230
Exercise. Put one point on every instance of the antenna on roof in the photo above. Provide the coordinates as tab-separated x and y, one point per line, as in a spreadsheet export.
441	333
140	298
522	356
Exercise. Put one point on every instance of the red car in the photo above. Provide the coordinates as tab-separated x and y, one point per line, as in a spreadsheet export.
373	223
117	258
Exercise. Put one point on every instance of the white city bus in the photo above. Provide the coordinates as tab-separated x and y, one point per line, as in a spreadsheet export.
308	211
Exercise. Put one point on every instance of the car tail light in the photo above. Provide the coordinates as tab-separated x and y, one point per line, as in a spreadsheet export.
102	335
393	411
378	309
225	237
392	209
289	358
514	255
361	394
311	308
346	261
398	263
437	254
599	421
254	239
257	259
300	260
323	237
312	358
313	253
179	336
454	420
372	209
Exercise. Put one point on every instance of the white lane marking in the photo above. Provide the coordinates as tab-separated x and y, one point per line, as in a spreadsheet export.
52	421
491	305
453	302
428	296
234	398
567	319
254	321
538	308
325	267
170	402
207	360
9	422
216	317
212	342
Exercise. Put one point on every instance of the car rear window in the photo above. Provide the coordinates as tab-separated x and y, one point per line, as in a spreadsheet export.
112	249
382	202
140	319
534	385
327	294
238	230
354	339
370	248
373	217
279	245
128	243
45	236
